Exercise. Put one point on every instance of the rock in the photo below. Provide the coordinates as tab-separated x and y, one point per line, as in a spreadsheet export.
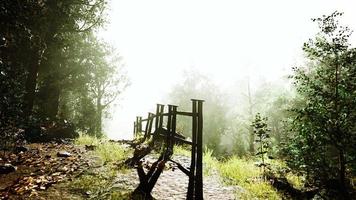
7	168
63	154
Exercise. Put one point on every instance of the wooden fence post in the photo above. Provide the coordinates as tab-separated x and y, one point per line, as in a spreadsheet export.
137	125
174	124
150	121
161	116
140	124
157	116
191	184
170	137
169	126
147	125
199	172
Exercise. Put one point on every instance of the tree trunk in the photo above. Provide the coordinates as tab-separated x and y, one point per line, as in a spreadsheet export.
342	168
30	86
99	110
49	95
250	111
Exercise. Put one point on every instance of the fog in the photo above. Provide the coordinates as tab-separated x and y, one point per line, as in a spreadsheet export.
226	40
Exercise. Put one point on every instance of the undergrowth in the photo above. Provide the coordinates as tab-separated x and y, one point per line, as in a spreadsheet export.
244	173
234	171
181	150
107	151
98	183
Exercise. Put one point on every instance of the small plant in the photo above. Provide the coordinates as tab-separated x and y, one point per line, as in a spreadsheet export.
261	130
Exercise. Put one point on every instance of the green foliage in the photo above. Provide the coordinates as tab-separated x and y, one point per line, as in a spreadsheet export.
210	163
84	139
181	150
54	68
95	84
99	184
10	105
325	114
263	139
245	173
198	86
108	152
271	99
95	184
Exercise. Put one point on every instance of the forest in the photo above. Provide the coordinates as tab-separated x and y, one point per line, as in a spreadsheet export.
60	81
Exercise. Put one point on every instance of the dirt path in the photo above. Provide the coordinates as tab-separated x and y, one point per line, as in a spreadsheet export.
41	174
172	184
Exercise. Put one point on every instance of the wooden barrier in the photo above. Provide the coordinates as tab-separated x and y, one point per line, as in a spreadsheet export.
168	137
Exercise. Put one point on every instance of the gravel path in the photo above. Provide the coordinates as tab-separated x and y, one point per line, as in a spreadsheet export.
172	184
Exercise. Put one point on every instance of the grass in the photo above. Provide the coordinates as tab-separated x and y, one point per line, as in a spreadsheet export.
210	162
244	173
97	183
235	171
84	139
107	151
181	150
295	180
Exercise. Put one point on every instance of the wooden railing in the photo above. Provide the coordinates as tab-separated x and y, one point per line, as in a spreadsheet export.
155	132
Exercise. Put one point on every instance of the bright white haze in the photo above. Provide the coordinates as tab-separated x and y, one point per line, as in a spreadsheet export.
226	40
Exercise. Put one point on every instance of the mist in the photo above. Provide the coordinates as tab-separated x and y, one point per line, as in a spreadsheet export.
203	99
227	41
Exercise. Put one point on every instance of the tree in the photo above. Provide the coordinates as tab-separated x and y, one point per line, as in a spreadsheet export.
42	27
91	79
108	81
324	122
198	86
261	131
52	60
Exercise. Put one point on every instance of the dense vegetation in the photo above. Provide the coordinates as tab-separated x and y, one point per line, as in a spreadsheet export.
55	74
310	125
54	71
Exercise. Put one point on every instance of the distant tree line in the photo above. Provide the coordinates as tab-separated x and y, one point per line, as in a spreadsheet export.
53	68
311	123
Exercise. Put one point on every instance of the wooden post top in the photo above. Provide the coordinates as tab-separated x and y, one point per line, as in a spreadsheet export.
199	100
174	106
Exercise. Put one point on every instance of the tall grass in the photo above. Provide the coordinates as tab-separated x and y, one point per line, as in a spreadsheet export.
84	139
244	173
181	150
98	182
210	162
107	151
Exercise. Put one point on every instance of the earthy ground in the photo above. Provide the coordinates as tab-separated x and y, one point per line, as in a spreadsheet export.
172	184
42	174
39	168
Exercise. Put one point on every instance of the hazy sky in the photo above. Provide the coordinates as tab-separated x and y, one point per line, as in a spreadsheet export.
227	40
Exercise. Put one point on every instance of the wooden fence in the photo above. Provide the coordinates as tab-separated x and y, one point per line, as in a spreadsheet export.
168	137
